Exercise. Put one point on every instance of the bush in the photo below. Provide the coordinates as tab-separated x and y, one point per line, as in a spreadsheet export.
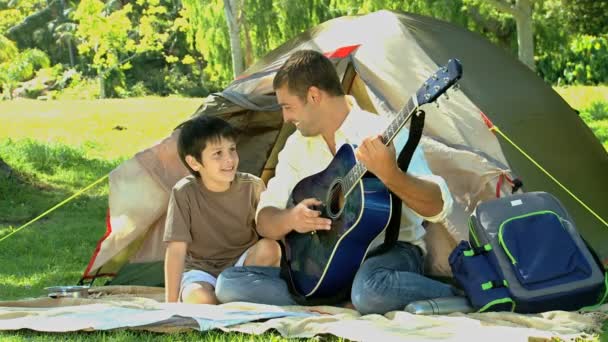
79	88
583	62
180	83
596	117
597	111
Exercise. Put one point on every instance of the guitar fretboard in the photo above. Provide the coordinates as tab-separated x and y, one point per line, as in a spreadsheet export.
356	172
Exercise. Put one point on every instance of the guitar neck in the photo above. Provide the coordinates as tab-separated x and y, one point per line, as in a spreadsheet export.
358	170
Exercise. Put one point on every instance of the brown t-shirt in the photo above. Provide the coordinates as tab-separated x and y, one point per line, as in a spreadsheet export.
218	226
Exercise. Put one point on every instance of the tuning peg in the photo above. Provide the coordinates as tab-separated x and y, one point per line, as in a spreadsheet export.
447	97
456	87
437	104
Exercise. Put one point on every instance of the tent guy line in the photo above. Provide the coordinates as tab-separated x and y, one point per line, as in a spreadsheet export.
56	206
495	128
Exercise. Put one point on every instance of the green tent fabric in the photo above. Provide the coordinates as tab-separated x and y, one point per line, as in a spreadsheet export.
383	58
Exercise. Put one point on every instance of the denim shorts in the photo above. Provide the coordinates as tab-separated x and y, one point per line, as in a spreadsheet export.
198	276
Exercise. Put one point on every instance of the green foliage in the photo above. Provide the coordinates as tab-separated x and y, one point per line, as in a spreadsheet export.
76	87
8	49
587	60
168	46
596	117
595	112
113	35
21	68
587	17
583	61
266	24
13	12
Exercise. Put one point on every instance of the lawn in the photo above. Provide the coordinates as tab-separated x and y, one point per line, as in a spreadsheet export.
59	147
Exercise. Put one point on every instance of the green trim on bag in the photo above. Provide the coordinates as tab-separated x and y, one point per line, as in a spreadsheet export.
498	301
469	252
502	225
602	300
488	285
472	231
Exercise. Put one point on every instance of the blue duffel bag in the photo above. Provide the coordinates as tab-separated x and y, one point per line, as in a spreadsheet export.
525	247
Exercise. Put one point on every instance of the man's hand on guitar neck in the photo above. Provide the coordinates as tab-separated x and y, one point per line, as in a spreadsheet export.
422	196
275	223
378	158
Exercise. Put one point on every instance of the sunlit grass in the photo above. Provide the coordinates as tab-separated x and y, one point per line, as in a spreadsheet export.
580	97
108	129
592	104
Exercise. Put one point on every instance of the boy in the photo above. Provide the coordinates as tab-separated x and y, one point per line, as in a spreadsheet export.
211	215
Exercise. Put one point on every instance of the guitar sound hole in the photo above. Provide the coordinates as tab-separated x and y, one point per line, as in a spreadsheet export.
335	200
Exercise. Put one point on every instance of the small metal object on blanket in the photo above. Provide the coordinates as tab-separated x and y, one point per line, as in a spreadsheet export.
67	291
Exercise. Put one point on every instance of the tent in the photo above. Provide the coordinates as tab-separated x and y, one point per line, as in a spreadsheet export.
383	58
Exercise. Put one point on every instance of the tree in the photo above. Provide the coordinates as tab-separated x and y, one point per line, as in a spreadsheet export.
232	8
112	39
521	11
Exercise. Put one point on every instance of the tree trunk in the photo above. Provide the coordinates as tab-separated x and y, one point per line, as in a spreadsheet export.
102	85
248	47
71	52
521	11
525	32
231	9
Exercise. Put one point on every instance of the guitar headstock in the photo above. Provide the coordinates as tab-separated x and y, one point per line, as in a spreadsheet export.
441	81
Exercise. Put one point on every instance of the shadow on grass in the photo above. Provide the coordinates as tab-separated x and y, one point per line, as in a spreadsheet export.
59	162
55	249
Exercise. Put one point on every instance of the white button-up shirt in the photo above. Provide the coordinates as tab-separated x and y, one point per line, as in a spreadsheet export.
304	156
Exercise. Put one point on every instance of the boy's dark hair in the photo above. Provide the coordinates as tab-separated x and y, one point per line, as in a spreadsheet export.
305	69
197	132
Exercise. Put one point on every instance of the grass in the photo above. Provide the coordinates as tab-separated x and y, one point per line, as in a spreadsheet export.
580	97
59	147
592	103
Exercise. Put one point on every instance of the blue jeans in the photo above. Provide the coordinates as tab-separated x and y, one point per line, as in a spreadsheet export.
384	283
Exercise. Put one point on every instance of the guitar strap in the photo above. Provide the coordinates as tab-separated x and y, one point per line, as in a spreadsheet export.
391	233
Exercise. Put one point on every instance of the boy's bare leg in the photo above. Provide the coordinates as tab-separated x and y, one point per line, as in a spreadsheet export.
199	293
265	252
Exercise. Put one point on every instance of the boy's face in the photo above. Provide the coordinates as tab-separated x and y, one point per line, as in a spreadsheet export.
219	163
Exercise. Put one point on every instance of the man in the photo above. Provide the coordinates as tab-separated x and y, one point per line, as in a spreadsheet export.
310	94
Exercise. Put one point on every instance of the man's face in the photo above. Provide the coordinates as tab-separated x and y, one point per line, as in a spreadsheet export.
302	113
219	161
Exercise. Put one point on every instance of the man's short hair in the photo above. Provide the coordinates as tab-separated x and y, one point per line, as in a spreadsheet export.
197	132
305	69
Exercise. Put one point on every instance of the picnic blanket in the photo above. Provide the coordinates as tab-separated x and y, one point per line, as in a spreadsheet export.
136	307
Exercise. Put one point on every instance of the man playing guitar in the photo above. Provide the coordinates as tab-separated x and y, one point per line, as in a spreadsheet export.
311	97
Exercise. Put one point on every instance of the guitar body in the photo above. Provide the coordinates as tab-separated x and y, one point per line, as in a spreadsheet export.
326	261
